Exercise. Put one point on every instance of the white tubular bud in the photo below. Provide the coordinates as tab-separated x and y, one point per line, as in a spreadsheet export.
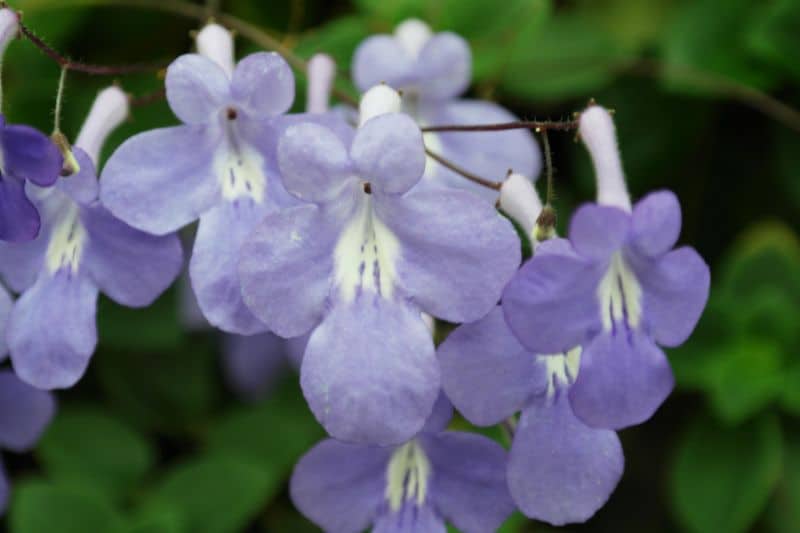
321	73
430	322
600	137
413	34
379	100
518	198
216	43
109	110
9	28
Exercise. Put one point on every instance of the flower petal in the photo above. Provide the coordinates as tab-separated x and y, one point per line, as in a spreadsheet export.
20	262
656	223
196	88
381	59
560	470
29	154
132	267
468	484
160	180
52	332
597	231
488	154
19	219
5	312
457	251
486	372
675	291
440	416
81	187
444	67
285	268
623	379
340	486
214	265
410	518
369	373
25	412
388	151
551	304
263	85
313	161
253	363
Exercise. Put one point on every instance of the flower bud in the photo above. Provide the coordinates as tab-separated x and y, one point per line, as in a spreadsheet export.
599	135
379	100
413	35
109	110
216	43
9	28
321	73
519	199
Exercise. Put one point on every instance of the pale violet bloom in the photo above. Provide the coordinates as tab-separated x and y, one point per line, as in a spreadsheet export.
437	477
616	288
560	470
359	260
432	71
81	250
219	166
25	412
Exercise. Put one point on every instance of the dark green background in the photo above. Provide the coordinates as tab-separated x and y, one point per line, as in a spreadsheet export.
151	441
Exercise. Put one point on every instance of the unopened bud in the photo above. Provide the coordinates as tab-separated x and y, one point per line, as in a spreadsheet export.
109	110
9	28
519	199
597	131
379	100
413	35
321	73
216	43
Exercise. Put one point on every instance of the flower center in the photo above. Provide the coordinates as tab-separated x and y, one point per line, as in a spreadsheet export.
239	169
67	241
365	255
562	369
620	295
407	476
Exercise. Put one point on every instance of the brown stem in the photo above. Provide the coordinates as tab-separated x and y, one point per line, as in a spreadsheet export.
458	170
539	125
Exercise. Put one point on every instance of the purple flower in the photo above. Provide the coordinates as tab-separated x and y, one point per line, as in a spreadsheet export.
432	71
616	288
359	260
25	154
438	476
219	166
24	414
81	250
560	470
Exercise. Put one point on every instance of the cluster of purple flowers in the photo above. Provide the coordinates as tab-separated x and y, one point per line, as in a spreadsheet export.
334	230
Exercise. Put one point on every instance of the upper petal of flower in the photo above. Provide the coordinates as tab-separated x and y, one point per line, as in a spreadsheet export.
444	67
24	413
382	59
29	154
19	219
597	231
160	180
130	266
388	152
370	373
624	377
340	486
263	85
456	252
675	290
197	88
551	304
486	372
51	344
440	416
656	223
560	470
468	482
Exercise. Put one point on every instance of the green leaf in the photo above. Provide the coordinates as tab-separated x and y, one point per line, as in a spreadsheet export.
723	477
784	511
748	375
774	35
250	432
790	399
567	57
163	521
87	447
211	494
708	36
155	328
40	507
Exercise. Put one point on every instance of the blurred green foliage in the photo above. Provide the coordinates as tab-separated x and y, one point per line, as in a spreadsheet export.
151	441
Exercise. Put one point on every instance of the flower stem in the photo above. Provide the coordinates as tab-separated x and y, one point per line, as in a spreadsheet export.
538	125
59	100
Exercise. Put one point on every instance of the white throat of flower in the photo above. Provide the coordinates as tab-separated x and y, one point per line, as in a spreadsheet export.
365	255
407	476
597	131
413	35
109	110
620	295
562	369
216	43
239	168
67	241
